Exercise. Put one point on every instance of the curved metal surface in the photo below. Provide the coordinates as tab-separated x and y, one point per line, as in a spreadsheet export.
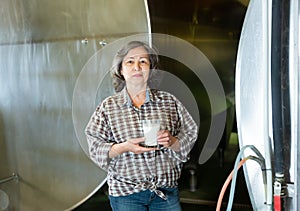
43	47
252	95
295	90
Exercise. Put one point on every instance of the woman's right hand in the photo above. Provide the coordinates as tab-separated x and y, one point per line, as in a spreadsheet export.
135	147
132	145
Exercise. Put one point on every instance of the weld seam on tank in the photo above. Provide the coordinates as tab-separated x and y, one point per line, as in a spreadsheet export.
14	176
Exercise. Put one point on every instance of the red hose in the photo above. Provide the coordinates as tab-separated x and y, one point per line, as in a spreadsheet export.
229	178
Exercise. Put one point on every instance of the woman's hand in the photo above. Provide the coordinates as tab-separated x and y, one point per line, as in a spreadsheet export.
132	145
165	139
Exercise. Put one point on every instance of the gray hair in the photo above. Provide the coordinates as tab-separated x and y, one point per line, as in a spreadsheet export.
117	77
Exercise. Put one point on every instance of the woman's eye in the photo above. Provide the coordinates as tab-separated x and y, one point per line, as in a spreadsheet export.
144	61
128	62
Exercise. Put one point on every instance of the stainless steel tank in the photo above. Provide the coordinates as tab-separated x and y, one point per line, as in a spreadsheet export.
44	45
254	108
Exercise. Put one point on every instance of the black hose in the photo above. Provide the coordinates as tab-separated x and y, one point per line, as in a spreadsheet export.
285	86
276	58
280	90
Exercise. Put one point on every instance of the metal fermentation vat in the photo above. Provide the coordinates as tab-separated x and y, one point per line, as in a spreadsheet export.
43	47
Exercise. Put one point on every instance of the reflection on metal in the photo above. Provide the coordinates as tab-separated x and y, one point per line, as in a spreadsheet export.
37	21
148	22
294	95
41	56
96	83
4	200
252	101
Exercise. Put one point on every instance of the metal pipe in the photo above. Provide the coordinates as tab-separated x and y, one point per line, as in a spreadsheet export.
295	89
267	25
7	179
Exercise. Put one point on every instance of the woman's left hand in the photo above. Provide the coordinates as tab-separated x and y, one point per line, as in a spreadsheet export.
165	138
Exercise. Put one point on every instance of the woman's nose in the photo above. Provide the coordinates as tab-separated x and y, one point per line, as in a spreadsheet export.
136	66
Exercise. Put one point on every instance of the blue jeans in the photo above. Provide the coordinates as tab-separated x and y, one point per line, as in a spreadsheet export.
147	200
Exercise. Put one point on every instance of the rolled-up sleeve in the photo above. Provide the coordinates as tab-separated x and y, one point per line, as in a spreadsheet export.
99	138
187	133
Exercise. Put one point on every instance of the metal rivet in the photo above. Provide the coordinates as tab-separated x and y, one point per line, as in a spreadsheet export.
85	41
103	43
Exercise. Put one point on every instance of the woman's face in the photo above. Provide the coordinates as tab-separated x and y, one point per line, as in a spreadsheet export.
136	66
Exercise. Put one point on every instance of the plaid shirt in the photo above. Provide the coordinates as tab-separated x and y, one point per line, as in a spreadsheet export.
116	120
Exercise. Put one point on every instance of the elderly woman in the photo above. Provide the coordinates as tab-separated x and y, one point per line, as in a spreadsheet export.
140	178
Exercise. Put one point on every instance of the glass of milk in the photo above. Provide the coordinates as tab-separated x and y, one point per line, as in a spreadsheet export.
150	128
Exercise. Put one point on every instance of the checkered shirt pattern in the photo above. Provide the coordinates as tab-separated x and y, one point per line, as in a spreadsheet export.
116	120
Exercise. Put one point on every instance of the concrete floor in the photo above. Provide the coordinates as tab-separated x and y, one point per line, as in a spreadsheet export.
210	179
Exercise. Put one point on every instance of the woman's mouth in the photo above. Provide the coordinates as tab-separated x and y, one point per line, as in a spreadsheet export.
137	75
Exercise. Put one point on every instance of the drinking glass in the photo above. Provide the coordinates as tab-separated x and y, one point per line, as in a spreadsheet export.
150	128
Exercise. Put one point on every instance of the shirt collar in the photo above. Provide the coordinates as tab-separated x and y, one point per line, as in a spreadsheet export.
126	100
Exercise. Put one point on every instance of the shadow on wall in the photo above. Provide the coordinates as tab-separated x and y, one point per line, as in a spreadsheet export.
4	200
3	151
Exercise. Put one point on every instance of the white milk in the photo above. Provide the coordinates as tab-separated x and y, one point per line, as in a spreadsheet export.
150	128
